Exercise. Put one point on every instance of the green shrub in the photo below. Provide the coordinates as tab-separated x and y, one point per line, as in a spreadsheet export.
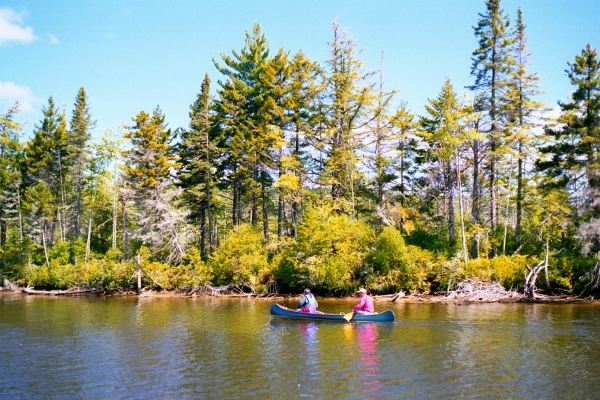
390	252
329	253
240	258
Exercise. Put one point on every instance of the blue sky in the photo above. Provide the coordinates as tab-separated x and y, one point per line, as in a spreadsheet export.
135	55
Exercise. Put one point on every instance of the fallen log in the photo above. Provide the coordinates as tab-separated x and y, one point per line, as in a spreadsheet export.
68	292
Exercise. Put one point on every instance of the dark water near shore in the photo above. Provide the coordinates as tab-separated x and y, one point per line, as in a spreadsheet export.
228	348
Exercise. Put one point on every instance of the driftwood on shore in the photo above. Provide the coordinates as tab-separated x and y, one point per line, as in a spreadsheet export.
241	290
69	292
474	291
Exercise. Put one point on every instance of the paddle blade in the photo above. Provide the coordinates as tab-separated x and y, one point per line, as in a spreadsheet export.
348	317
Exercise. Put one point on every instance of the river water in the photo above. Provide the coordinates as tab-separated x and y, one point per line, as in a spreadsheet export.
190	348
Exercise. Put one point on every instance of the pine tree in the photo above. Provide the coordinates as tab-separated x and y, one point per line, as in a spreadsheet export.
79	136
523	108
241	115
304	88
573	157
10	172
492	65
349	101
444	132
199	156
46	156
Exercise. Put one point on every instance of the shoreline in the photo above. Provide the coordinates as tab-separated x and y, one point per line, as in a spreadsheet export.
452	297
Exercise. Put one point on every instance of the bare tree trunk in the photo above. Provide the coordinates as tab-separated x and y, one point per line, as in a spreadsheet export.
265	214
20	218
123	225
234	207
114	212
475	204
460	206
3	229
203	232
280	199
208	210
450	202
44	243
507	207
519	196
78	205
254	208
89	238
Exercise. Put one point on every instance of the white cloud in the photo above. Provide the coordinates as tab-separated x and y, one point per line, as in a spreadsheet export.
10	93
53	39
12	29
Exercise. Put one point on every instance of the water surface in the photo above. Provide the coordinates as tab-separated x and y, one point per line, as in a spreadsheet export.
54	347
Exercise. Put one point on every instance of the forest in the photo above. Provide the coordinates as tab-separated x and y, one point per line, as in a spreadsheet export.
295	174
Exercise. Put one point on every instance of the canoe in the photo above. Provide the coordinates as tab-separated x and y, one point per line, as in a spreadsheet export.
280	311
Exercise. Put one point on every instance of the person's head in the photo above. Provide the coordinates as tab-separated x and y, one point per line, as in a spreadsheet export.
361	292
306	291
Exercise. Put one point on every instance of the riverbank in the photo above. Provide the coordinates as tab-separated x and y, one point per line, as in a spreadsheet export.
466	293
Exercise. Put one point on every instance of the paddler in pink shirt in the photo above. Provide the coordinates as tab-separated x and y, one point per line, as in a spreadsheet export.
365	306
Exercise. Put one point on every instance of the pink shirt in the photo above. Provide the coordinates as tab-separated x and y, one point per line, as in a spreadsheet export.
365	304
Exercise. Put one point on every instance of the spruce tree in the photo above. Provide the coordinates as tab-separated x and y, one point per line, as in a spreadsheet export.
523	89
492	65
199	156
79	136
573	156
11	153
444	132
46	160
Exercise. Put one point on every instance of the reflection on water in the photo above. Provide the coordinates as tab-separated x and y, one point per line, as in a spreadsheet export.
218	348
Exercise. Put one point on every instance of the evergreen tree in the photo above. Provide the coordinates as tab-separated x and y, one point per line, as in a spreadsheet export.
305	86
199	156
349	101
10	172
572	158
45	178
147	172
522	91
444	132
79	136
242	115
492	65
384	139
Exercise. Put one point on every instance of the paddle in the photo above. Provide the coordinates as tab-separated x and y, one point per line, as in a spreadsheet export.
348	317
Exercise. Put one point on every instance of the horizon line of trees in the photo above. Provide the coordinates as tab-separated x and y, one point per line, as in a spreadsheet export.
298	174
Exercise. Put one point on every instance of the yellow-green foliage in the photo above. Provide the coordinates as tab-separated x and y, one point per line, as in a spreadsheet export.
329	252
95	273
389	253
423	268
192	271
415	268
509	271
37	277
242	257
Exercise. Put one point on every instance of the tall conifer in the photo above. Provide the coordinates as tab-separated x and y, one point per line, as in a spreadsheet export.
79	136
492	65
